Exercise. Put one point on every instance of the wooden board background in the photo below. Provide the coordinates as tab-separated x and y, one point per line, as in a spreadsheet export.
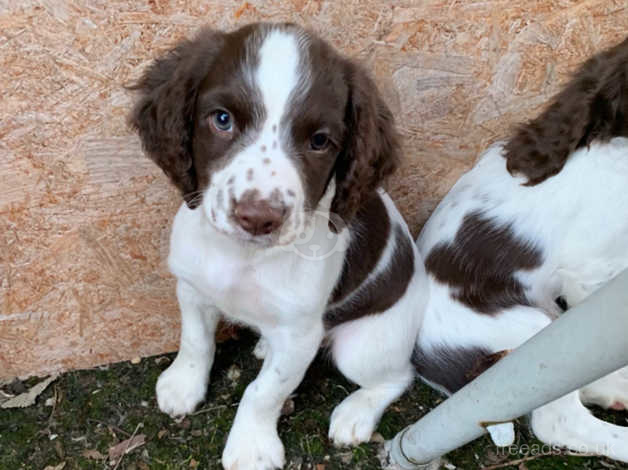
84	217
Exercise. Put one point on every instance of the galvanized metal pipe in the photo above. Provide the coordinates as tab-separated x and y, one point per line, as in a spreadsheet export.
583	345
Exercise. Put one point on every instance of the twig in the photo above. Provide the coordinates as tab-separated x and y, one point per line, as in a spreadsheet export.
112	426
207	410
128	443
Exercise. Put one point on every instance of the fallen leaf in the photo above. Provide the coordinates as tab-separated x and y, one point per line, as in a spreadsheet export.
377	438
193	463
320	466
28	398
57	467
288	407
127	446
93	454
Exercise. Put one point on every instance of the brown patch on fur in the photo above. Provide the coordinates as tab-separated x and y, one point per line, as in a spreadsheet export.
231	180
483	363
371	151
163	114
370	231
355	297
592	106
263	148
291	193
266	161
249	174
449	367
480	264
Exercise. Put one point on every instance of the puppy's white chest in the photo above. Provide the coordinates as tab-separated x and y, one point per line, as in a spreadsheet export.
232	285
257	290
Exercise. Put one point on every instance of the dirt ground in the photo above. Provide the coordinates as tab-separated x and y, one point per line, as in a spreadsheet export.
107	418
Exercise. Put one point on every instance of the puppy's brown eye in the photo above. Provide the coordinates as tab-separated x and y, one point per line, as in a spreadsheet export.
319	142
221	122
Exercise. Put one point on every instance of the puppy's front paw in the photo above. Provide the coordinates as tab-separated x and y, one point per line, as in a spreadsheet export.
353	421
255	448
181	387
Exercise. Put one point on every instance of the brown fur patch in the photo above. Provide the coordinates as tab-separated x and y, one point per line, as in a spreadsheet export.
367	245
451	367
480	264
592	106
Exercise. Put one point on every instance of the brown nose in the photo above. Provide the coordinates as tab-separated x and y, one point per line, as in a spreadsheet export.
258	217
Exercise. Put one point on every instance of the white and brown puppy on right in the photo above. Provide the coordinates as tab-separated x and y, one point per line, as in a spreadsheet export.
537	225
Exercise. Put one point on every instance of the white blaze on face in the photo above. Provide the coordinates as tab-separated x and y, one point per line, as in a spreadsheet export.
265	165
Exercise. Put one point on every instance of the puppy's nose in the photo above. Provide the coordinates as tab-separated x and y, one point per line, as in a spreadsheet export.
258	217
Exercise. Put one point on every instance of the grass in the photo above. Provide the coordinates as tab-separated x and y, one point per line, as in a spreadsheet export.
84	413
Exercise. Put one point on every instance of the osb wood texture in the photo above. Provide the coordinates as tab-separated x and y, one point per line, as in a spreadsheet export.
84	217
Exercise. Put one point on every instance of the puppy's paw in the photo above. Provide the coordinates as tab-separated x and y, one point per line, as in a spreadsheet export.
261	348
181	387
254	448
353	421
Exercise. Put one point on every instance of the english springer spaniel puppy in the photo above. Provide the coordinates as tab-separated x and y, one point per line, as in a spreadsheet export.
537	225
279	146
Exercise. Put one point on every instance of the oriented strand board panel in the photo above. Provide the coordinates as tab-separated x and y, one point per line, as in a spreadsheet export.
84	217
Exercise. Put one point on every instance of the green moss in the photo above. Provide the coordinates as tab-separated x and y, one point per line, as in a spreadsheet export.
99	408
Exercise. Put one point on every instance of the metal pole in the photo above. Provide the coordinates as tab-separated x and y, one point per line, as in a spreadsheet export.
584	344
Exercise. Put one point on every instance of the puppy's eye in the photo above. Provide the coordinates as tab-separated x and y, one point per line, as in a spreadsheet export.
221	122
319	142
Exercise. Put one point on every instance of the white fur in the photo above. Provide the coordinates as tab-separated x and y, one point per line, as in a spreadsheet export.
579	221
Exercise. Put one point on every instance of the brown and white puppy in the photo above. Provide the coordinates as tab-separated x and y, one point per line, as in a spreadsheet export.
541	217
278	146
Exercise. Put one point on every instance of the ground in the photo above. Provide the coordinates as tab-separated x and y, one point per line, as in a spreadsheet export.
78	420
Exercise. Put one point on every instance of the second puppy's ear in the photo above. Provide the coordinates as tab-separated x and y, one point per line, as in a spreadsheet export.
164	113
592	106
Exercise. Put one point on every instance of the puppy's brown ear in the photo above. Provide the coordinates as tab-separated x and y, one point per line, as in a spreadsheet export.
593	105
371	146
164	113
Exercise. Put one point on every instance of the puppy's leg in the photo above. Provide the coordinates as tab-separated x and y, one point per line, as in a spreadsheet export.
374	353
253	443
183	385
608	392
567	423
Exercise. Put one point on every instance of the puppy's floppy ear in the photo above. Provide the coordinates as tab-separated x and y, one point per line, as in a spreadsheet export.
164	113
371	146
593	105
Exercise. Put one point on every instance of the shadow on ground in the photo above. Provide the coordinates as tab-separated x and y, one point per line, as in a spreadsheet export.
84	414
